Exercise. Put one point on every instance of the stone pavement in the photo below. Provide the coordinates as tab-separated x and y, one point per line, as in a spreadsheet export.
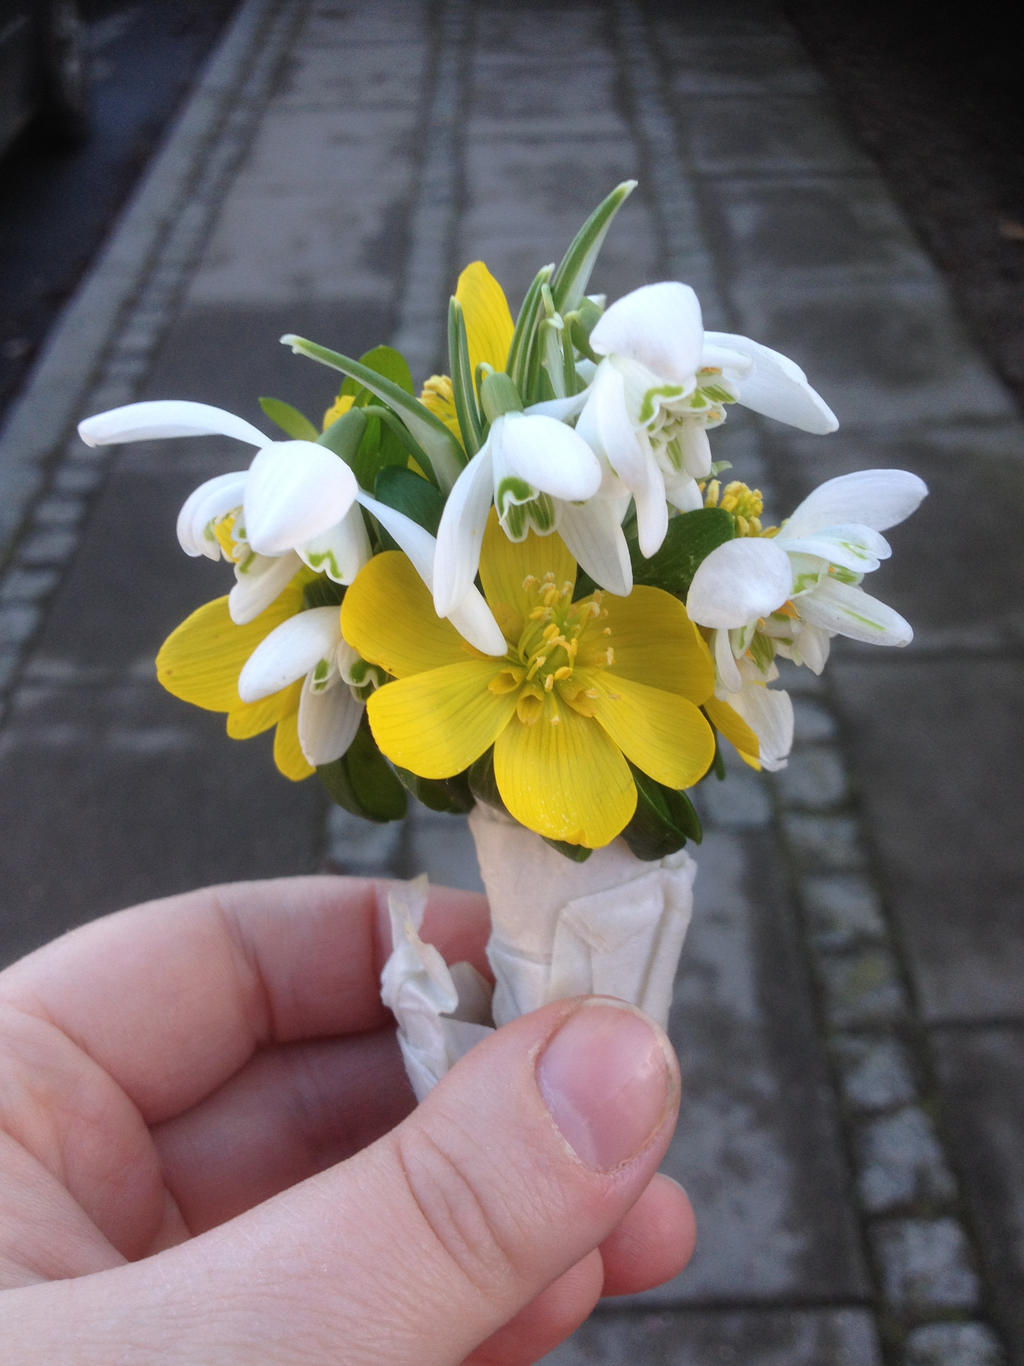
849	1011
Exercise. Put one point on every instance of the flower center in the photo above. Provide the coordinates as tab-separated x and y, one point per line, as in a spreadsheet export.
744	504
542	663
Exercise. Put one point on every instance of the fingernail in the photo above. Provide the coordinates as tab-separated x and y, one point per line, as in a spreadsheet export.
606	1077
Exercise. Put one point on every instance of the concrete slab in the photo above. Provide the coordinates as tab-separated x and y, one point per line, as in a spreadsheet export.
118	794
936	768
982	1077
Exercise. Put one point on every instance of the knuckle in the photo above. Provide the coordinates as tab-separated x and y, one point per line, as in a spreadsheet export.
463	1212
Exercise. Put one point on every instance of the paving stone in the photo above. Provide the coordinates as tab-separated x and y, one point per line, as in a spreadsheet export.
743	799
926	1266
900	1163
708	63
9	661
363	848
57	511
820	842
766	136
842	909
812	719
981	1071
727	1337
814	777
758	1146
49	546
875	1071
122	793
18	622
951	877
861	987
953	1344
441	846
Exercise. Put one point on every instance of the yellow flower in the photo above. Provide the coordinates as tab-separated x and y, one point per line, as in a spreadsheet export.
489	329
338	408
582	688
201	660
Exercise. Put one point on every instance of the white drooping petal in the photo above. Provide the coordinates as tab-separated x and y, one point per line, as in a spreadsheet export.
725	662
289	652
461	531
166	418
769	714
775	386
657	324
546	454
259	579
472	618
855	546
848	611
593	533
739	582
327	722
875	498
206	504
606	426
341	551
296	490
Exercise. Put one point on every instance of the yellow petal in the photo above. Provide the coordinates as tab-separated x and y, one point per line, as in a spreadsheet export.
564	778
437	397
654	642
200	661
436	723
506	565
288	753
735	730
664	734
489	323
253	718
338	408
388	617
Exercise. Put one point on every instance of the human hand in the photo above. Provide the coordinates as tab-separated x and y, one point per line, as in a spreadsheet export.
207	1154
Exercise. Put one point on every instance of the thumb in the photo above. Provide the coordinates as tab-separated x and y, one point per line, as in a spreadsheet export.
519	1163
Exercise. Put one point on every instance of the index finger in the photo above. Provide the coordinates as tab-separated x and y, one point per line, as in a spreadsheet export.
172	997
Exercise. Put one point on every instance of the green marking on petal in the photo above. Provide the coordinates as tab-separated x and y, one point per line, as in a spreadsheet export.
669	392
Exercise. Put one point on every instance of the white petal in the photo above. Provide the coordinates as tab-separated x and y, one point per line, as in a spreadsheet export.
461	530
472	618
214	499
657	324
593	533
725	662
769	714
289	652
258	581
874	498
341	551
776	386
848	611
166	417
296	490
854	547
327	722
546	454
739	582
606	426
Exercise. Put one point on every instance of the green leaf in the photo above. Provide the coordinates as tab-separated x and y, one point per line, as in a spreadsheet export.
384	361
570	280
482	782
363	782
322	592
579	853
408	492
690	538
523	347
663	821
463	394
344	435
443	451
289	419
449	795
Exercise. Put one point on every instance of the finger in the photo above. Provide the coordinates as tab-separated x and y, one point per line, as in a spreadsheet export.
653	1242
172	997
546	1321
289	1113
517	1166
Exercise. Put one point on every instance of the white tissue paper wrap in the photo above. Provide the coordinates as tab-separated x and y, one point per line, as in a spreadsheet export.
611	926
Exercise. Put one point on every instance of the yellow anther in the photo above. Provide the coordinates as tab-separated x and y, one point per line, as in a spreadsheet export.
563	673
549	682
609	655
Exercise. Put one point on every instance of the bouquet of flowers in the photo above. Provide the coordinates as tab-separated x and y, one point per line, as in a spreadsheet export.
526	594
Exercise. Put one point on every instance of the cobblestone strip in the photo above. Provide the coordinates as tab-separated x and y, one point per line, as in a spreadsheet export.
352	845
930	1296
104	344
